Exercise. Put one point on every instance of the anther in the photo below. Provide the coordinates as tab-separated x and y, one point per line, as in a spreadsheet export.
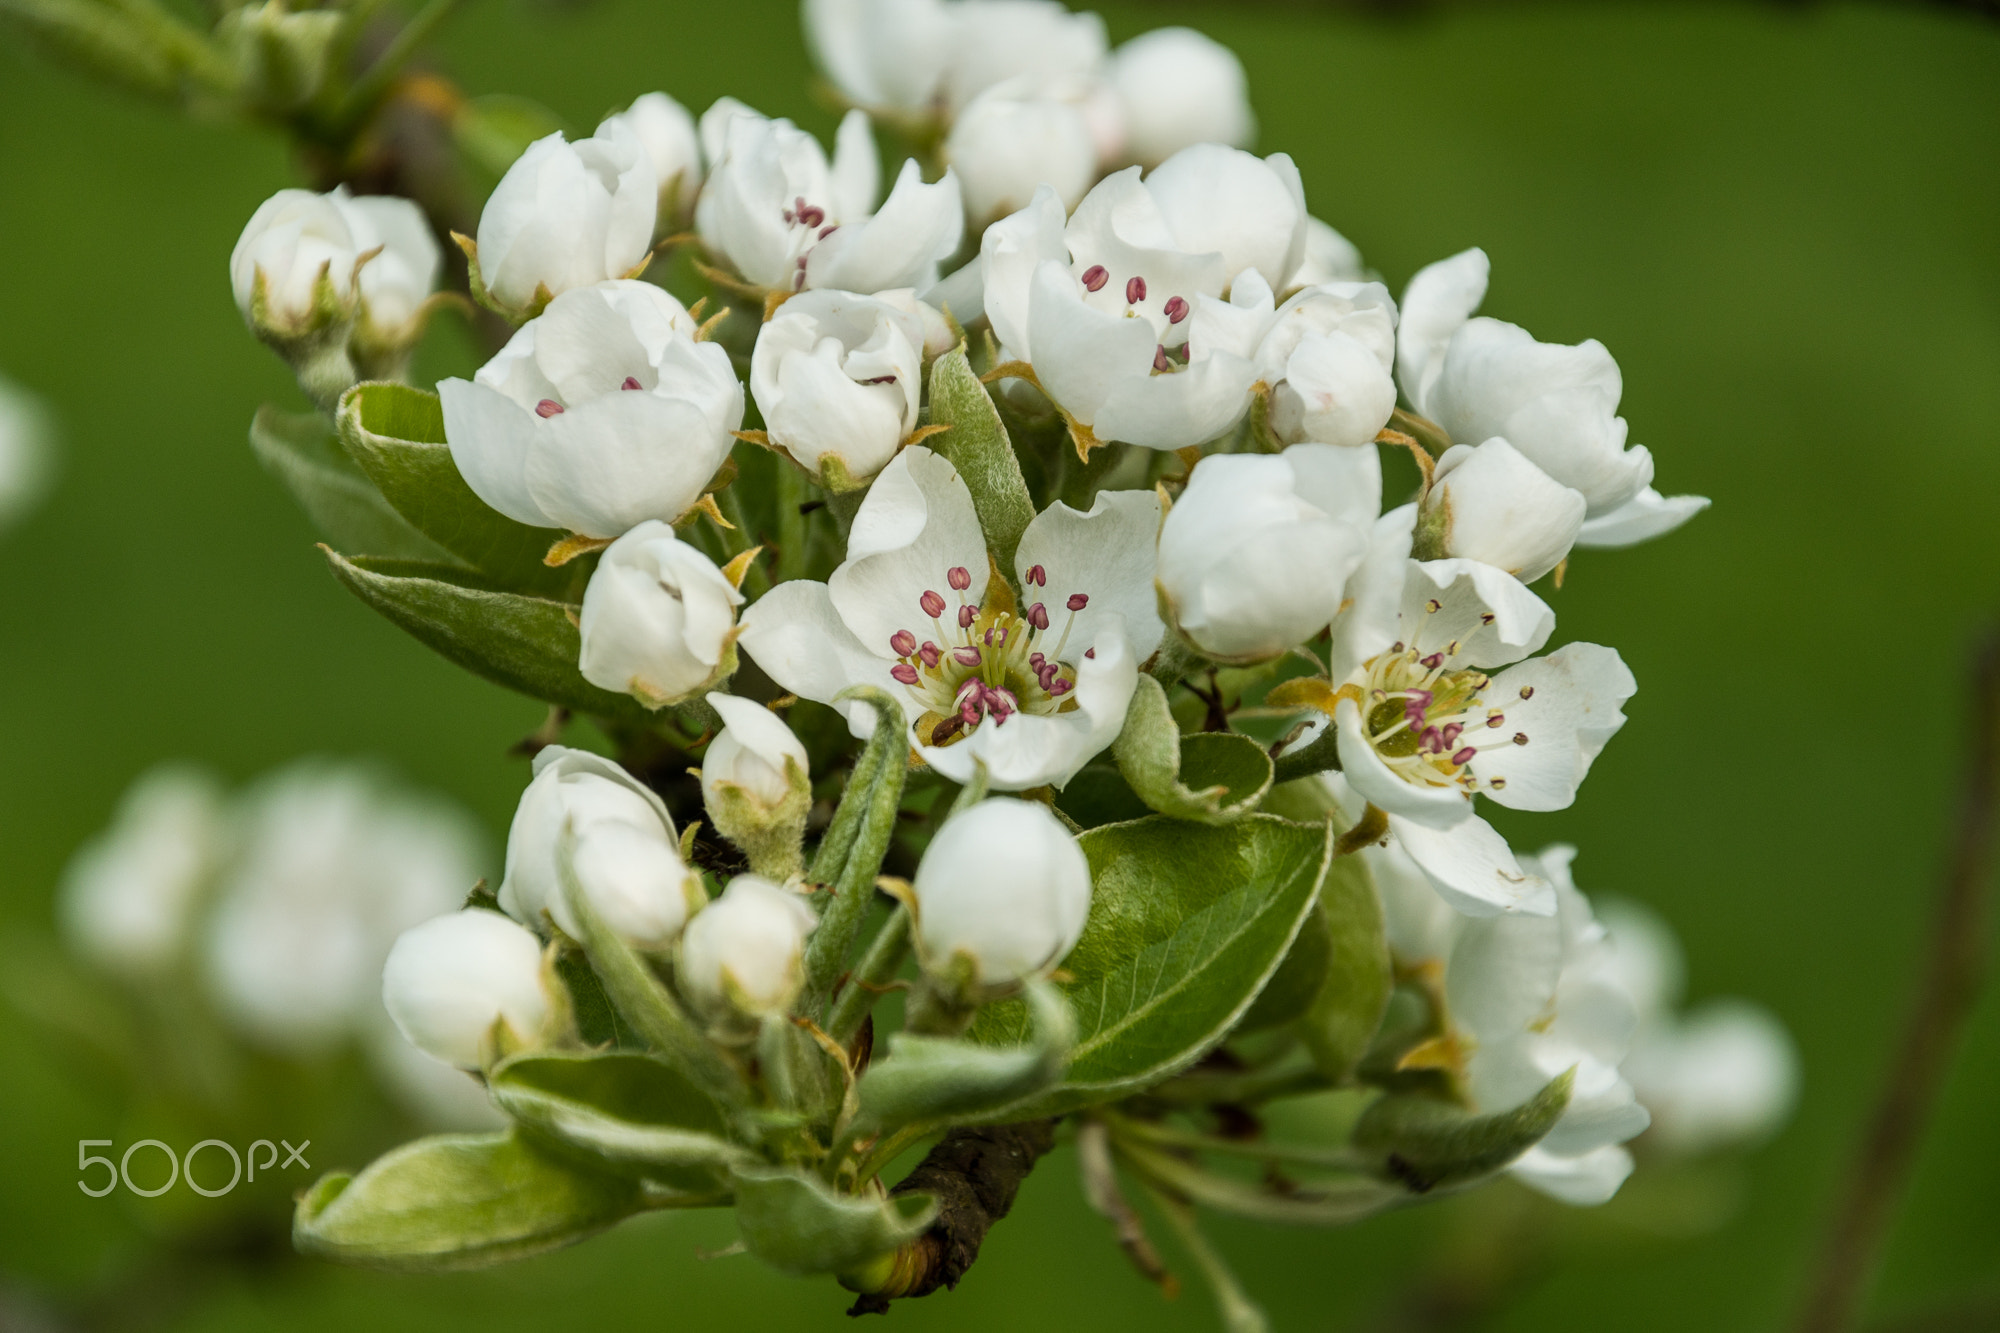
1434	661
880	379
1090	652
967	656
958	577
966	615
1498	719
1095	277
930	653
903	642
1527	691
1464	756
548	407
946	729
1161	361
631	383
1038	616
1061	687
932	604
904	672
1078	600
1433	605
1177	309
1135	291
1038	576
1520	738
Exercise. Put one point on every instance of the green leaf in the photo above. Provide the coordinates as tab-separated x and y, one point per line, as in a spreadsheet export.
525	643
1210	777
796	1222
933	1080
1100	795
632	1111
457	1201
977	445
1187	923
1299	979
1347	1012
300	450
495	129
1428	1142
395	434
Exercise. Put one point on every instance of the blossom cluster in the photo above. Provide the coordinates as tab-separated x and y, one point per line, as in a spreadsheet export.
1000	466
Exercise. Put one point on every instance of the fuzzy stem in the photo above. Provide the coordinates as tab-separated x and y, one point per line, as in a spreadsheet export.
877	966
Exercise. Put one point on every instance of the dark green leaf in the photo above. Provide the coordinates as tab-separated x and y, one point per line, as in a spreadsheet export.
1300	978
395	434
1100	795
525	643
795	1222
1428	1142
1187	923
302	451
977	445
1209	777
1347	1012
457	1201
630	1110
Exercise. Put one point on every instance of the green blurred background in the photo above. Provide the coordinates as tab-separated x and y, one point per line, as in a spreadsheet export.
1784	222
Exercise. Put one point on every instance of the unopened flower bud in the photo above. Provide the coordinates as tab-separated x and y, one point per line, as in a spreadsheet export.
659	619
293	268
744	956
1004	885
839	378
567	216
626	855
1489	503
1179	88
1011	139
1255	556
755	784
449	981
666	133
280	55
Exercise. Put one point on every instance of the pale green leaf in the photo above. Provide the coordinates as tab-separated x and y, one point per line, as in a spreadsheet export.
632	1111
1346	1013
977	445
457	1201
934	1080
301	451
1212	777
795	1221
1427	1142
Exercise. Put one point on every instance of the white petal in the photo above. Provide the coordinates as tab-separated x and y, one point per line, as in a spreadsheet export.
1009	253
606	465
1645	516
491	437
1376	783
1501	978
1487	612
1082	353
1499	508
1108	554
1032	751
1572	707
1173	411
1368	623
1436	305
1473	869
1583	1181
919	225
800	641
1232	203
856	172
915	526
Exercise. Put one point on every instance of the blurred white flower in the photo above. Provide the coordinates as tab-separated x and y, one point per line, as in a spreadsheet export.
333	865
1014	138
598	415
1033	693
992	41
1330	257
1178	88
1004	885
27	451
568	215
130	895
448	981
658	618
882	55
666	132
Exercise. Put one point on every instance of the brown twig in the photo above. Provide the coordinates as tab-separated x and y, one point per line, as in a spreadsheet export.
1955	966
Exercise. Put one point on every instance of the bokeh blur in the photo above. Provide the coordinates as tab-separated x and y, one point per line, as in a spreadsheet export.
1783	220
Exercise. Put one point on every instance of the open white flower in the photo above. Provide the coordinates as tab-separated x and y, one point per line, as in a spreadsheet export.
1722	1075
448	981
1328	354
1119	308
1488	503
568	215
1004	885
1255	555
658	618
1519	1000
129	895
665	131
785	218
602	413
744	956
1031	691
1424	722
626	854
1556	404
1177	88
839	378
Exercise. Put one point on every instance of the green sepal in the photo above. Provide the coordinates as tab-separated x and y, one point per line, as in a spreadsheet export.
1210	777
859	835
457	1201
631	1112
937	1080
795	1221
1429	1143
976	444
395	435
304	454
525	643
1187	924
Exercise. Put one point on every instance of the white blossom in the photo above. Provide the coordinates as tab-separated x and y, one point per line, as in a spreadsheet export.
882	55
745	954
129	895
1015	137
1255	555
1487	502
1178	88
785	218
755	753
658	618
1327	353
1330	257
1120	307
992	41
626	854
27	451
601	414
447	982
568	215
838	376
1032	692
666	134
1006	886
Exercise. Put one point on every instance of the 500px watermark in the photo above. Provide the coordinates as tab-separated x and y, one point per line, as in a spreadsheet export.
182	1167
